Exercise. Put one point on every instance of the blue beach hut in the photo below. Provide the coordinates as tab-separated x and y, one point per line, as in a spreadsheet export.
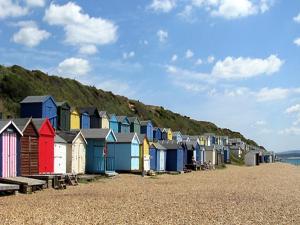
157	132
127	152
147	129
123	124
97	150
84	119
39	107
158	156
174	156
113	123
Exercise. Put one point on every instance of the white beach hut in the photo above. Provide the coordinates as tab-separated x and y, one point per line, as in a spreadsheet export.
60	155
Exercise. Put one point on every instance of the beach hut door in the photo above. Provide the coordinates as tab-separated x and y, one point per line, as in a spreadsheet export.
9	158
161	160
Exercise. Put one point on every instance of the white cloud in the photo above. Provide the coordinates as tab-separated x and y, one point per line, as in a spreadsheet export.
35	3
188	14
260	123
29	34
162	5
128	55
88	49
210	59
74	66
297	41
199	62
238	68
81	29
174	58
117	87
162	35
290	131
272	94
237	91
293	109
233	9
188	80
297	121
189	54
297	18
8	8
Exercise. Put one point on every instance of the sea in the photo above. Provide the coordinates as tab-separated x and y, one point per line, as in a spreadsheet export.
293	160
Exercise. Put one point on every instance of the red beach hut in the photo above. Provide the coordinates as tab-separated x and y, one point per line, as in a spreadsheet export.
46	145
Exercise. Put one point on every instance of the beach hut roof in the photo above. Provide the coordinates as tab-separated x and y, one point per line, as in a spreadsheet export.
6	123
38	122
22	123
70	136
126	137
63	103
59	139
156	128
170	144
91	110
36	99
102	114
121	118
158	146
175	133
97	133
145	122
133	119
142	137
185	137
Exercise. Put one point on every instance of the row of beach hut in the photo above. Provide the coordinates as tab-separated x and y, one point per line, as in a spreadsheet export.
54	138
30	146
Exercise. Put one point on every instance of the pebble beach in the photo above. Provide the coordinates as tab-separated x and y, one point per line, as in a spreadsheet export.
266	194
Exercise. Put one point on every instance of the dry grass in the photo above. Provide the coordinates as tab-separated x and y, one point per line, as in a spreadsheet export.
268	194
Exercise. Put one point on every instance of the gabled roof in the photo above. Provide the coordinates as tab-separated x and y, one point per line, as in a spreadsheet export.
189	145
91	110
142	137
175	133
133	119
97	133
157	146
126	137
37	99
121	119
185	137
103	114
22	123
145	122
110	116
70	136
38	122
6	123
170	144
59	104
59	139
194	138
156	128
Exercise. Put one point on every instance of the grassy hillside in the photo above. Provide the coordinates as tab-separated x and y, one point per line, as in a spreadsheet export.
16	83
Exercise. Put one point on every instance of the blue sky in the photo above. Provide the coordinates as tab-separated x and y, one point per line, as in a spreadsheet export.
232	62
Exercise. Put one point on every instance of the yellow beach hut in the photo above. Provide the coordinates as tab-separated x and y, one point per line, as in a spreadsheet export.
144	153
169	134
75	119
104	120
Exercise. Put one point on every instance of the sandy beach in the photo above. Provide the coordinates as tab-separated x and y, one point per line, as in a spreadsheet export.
267	194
